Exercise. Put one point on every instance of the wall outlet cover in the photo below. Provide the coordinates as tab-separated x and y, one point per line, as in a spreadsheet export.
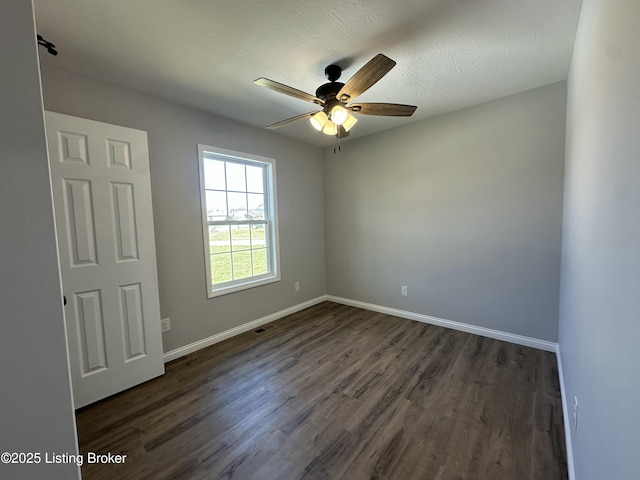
165	324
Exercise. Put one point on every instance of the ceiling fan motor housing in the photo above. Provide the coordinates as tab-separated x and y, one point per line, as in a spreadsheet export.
328	91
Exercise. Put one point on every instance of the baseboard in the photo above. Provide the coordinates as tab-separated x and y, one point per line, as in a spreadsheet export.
464	327
565	414
219	337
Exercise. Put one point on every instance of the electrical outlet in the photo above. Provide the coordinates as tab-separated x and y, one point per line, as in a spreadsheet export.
403	290
575	413
296	286
165	324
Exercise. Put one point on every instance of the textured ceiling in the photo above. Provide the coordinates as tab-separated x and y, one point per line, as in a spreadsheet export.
450	54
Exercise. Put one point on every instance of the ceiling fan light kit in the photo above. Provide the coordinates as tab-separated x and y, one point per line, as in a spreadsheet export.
349	122
338	114
318	120
336	117
330	128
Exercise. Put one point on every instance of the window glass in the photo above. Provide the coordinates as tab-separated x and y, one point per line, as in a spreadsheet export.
239	220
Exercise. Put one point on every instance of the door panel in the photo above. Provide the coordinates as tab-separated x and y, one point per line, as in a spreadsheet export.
119	153
80	224
91	335
72	147
104	219
132	320
125	221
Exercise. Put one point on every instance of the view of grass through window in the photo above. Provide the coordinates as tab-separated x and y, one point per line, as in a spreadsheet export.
237	251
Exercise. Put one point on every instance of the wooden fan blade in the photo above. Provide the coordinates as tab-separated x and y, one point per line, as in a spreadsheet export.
287	90
384	109
290	120
366	77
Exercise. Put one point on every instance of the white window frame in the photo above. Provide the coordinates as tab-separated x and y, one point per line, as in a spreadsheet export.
271	217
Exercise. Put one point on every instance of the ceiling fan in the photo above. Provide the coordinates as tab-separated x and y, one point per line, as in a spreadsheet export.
336	117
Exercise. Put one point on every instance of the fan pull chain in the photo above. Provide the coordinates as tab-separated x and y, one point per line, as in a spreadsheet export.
336	147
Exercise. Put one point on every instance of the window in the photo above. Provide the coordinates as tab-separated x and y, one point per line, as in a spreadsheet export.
239	219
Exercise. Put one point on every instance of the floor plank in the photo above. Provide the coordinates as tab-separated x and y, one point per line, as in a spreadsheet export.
337	392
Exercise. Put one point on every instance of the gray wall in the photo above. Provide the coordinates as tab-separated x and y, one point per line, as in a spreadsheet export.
35	394
173	134
465	209
600	290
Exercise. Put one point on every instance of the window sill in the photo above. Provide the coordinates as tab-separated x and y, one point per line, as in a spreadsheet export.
238	287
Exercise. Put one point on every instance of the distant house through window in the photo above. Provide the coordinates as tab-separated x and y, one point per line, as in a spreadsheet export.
239	219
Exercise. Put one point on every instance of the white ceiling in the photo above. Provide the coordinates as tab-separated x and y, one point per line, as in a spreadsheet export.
450	54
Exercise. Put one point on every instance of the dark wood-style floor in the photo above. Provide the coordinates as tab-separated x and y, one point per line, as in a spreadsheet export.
336	392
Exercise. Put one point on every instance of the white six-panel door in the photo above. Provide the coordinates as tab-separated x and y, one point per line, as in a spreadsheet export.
104	221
